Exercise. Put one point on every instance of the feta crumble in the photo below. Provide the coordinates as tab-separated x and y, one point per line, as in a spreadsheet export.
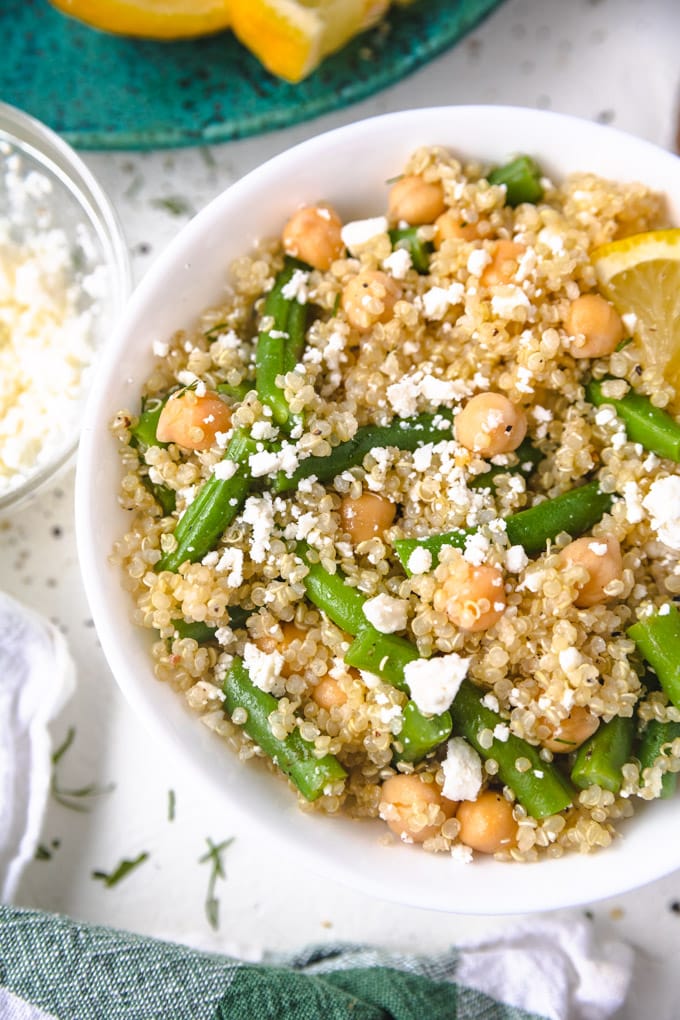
264	669
434	683
462	770
386	613
357	233
663	504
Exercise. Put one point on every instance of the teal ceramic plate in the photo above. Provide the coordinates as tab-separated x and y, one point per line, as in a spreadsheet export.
105	92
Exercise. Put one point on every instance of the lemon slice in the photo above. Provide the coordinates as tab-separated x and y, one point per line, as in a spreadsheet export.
151	19
641	277
291	37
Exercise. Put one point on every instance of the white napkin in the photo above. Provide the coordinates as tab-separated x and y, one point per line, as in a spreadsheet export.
37	676
558	969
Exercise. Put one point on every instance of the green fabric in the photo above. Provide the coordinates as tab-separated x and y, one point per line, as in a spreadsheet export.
74	971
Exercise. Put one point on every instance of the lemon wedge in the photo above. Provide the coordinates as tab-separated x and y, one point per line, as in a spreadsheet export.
151	19
291	37
641	277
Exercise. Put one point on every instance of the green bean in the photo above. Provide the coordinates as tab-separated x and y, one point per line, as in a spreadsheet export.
203	632
527	458
653	428
143	432
409	238
235	393
142	436
280	346
539	786
522	180
600	759
420	734
294	755
658	640
402	433
332	594
654	739
386	655
198	630
575	512
219	500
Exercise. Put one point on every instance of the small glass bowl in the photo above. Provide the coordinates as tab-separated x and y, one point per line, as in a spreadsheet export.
62	248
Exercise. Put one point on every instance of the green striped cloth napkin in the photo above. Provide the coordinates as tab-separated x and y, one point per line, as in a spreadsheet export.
54	968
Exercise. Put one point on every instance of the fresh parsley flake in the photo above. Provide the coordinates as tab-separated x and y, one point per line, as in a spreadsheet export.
124	868
213	856
72	798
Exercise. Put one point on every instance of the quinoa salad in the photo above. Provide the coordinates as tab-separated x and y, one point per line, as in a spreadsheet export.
404	514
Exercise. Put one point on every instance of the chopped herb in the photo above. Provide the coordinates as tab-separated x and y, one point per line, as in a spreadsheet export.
171	805
215	330
214	857
623	343
124	868
72	798
42	853
176	205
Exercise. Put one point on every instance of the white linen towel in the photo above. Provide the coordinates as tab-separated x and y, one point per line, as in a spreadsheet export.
37	676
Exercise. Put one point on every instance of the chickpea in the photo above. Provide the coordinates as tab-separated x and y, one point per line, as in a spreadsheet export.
367	516
328	693
450	224
472	597
487	824
504	263
290	632
415	200
602	559
592	317
414	809
573	731
193	421
490	424
370	297
313	234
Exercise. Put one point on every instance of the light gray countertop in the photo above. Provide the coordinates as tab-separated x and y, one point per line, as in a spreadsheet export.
609	60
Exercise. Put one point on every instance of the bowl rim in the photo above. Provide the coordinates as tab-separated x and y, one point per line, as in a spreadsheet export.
520	899
57	158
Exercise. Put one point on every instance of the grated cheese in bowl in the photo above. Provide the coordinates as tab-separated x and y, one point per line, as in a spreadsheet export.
64	275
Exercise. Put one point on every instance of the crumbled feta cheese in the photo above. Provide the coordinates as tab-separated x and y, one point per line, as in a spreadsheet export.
231	564
420	561
663	504
437	300
501	731
386	613
225	469
633	501
515	559
509	301
259	513
398	263
598	548
266	462
478	260
264	669
434	683
462	853
160	348
296	288
629	320
570	659
552	240
357	233
263	430
462	770
476	549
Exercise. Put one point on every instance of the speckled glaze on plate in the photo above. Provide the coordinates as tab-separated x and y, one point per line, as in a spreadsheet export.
102	91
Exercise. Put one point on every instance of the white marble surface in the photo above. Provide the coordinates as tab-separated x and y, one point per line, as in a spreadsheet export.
610	60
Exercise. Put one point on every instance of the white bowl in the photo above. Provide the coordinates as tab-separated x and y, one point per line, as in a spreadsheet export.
348	167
